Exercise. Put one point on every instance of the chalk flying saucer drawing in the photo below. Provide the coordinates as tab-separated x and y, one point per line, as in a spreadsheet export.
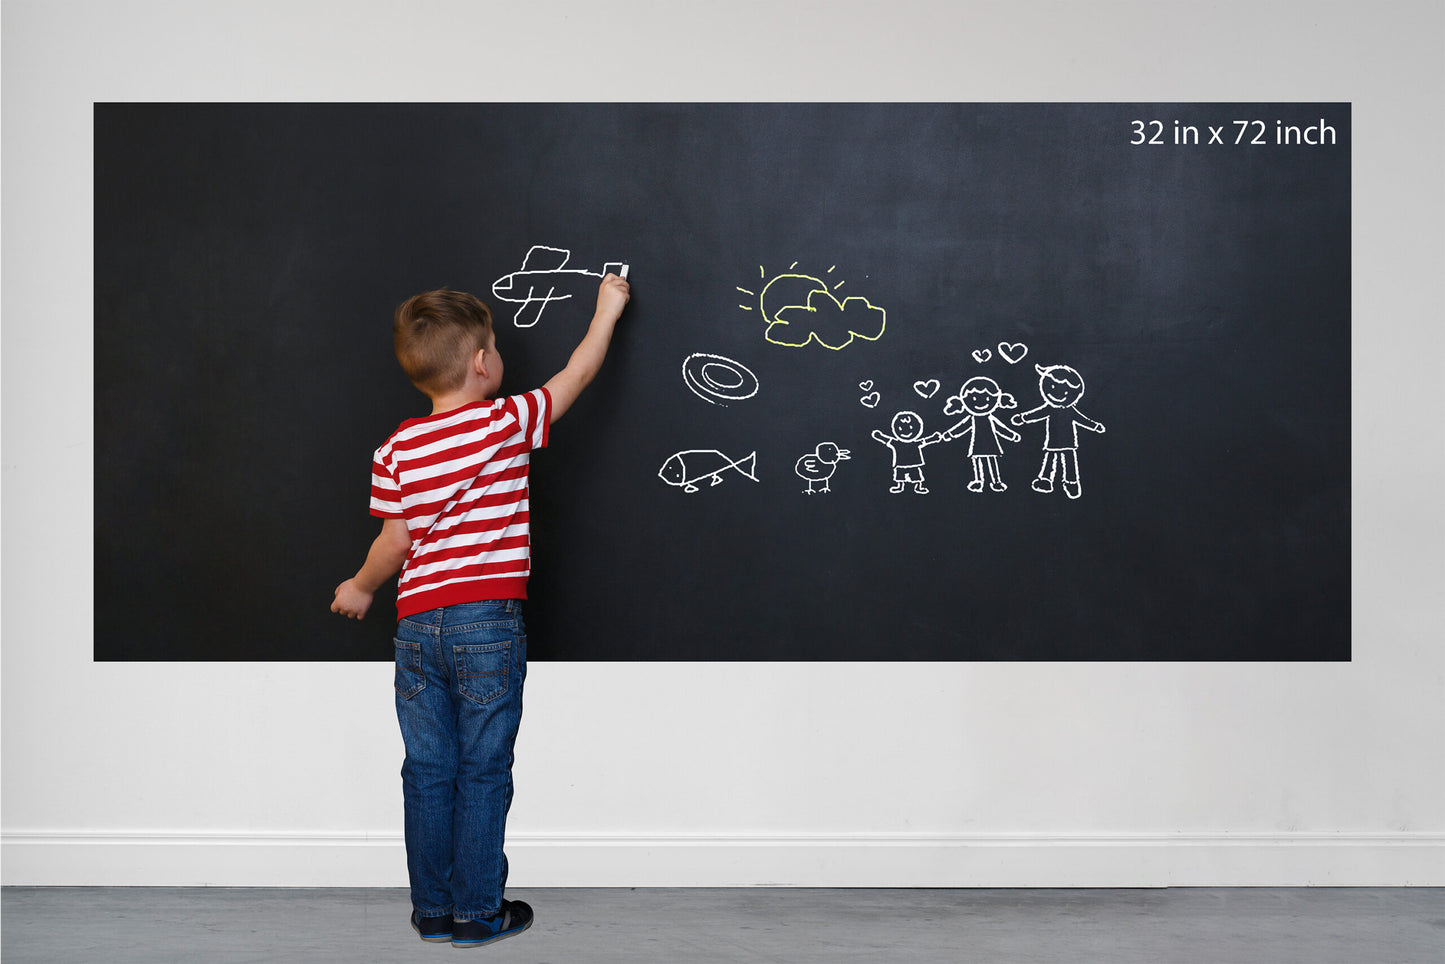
718	380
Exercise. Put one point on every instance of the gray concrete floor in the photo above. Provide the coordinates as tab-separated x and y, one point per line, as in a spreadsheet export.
579	926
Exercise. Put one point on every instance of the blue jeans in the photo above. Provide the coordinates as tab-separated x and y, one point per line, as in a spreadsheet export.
459	674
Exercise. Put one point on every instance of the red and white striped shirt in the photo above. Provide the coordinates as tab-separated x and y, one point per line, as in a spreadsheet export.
459	479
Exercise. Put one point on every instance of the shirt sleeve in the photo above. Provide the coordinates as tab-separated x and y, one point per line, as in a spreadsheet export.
533	412
385	492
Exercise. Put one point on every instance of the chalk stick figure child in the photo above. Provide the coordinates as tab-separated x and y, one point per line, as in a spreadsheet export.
907	443
977	401
1062	388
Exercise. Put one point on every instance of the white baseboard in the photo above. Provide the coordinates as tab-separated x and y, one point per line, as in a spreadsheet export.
744	860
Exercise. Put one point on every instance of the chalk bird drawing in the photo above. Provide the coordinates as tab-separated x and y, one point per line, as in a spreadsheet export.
543	279
818	466
1061	387
801	309
687	469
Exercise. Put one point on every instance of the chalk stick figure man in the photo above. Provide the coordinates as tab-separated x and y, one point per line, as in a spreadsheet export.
907	443
977	401
1061	388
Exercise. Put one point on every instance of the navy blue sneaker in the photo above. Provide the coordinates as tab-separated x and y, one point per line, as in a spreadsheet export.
514	918
437	930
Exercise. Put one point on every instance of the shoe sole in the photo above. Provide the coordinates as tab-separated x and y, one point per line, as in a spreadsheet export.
494	938
433	938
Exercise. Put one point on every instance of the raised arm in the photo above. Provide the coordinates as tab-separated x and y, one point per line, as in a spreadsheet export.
1084	421
587	358
1001	429
1032	415
952	432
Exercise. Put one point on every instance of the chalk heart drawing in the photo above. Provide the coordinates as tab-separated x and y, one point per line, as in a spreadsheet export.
719	380
544	278
870	400
687	469
801	309
866	386
1013	352
926	389
982	355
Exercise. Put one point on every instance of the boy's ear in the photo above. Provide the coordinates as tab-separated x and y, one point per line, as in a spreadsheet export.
479	362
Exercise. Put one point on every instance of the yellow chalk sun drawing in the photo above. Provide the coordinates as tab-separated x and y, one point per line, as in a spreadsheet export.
801	309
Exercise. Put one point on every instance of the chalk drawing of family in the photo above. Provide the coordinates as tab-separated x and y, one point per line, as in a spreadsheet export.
978	401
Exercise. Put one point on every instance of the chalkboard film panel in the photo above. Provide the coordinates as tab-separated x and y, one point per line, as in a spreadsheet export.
832	302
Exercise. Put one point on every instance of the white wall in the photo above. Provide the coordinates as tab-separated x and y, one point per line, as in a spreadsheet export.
636	774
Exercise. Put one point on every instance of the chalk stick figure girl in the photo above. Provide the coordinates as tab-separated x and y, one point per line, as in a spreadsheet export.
907	443
1061	388
977	401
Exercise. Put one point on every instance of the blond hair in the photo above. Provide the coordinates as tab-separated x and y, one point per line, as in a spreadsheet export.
436	333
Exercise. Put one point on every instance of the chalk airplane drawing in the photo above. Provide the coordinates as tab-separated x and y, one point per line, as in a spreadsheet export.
1061	387
977	401
718	380
687	469
801	309
543	279
818	466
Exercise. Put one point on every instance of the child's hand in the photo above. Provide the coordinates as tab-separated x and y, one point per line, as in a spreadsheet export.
351	601
612	296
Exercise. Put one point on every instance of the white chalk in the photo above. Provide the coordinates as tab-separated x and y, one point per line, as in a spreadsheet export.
624	271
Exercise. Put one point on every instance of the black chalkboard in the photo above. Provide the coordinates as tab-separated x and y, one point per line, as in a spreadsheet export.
248	258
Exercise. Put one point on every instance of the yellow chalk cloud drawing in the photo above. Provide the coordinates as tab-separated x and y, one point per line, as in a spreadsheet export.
800	309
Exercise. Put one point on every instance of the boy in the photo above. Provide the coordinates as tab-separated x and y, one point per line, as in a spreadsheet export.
907	444
451	488
1061	387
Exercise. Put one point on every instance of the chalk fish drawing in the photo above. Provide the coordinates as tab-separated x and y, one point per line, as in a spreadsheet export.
543	279
801	309
687	469
718	380
818	466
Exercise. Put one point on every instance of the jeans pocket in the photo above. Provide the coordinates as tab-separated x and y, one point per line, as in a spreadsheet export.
482	670
410	680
